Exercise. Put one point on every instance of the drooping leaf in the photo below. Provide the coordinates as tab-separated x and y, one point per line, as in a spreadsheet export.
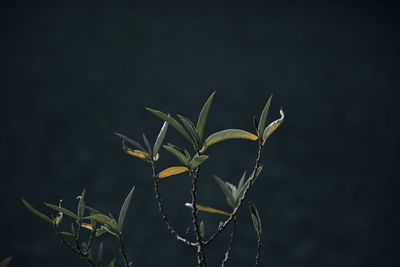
202	229
130	141
190	128
66	212
201	122
172	122
5	262
227	191
112	262
172	171
227	134
160	138
273	126
197	160
255	216
124	209
208	209
181	157
138	154
36	212
81	205
100	252
147	144
264	115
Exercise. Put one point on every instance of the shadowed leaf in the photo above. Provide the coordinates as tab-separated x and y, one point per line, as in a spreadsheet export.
5	262
190	128
112	263
227	191
81	205
36	212
130	141
197	160
202	229
63	210
181	157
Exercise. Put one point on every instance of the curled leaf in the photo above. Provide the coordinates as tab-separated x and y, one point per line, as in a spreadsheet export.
124	209
172	171
273	126
255	218
226	135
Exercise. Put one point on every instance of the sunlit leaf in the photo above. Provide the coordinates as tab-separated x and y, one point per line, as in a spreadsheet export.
124	209
263	117
226	135
36	212
241	181
197	160
138	154
5	262
208	209
201	122
81	205
181	157
172	122
160	138
63	210
273	126
227	191
87	226
202	229
172	171
130	141
58	218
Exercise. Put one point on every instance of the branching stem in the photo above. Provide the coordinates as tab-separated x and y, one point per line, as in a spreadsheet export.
258	256
230	242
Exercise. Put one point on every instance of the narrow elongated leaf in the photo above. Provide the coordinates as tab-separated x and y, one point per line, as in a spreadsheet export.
255	216
130	141
172	122
100	252
66	212
36	212
182	158
147	144
264	115
208	209
172	171
190	128
241	182
201	122
202	229
273	126
197	160
5	262
91	210
187	155
138	154
227	191
81	205
104	219
87	226
110	231
124	209
112	263
227	134
160	138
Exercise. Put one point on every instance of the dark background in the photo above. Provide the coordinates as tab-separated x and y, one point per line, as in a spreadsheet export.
74	73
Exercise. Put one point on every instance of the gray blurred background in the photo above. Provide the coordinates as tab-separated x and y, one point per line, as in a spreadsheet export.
73	73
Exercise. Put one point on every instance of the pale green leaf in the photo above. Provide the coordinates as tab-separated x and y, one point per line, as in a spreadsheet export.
190	128
273	126
197	160
202	229
264	116
124	209
100	252
81	205
36	212
160	138
227	191
226	135
66	212
181	157
201	122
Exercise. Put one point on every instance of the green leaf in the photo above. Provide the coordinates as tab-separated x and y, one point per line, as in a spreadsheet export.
241	182
5	262
81	205
172	122
264	115
107	221
197	160
255	218
160	138
187	155
190	128
130	141
255	124
182	158
227	134
110	231
201	122
67	234
124	209
273	126
100	252
202	229
227	191
36	212
147	143
91	210
63	210
112	263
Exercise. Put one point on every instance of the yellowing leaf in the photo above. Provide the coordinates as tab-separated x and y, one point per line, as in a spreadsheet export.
87	226
228	134
172	171
208	209
136	153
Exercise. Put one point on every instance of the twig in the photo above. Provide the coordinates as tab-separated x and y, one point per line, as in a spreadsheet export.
258	257
230	242
236	210
123	252
162	211
201	260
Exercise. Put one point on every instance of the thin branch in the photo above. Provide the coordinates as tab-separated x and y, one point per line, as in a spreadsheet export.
230	242
162	211
201	260
258	256
236	210
123	252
